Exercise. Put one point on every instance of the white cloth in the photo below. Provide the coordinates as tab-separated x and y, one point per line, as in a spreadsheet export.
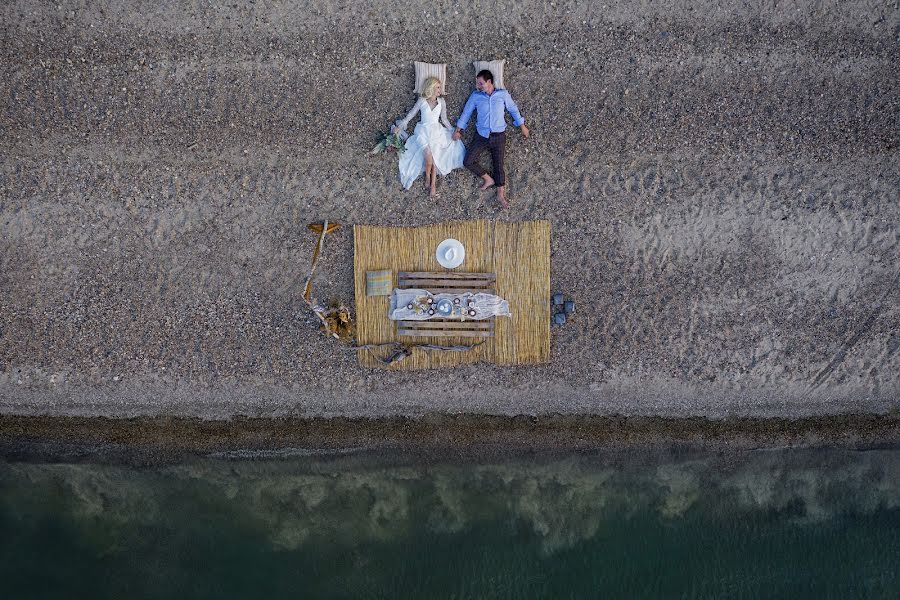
429	133
486	305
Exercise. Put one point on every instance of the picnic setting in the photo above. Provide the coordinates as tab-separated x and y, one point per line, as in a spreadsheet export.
445	294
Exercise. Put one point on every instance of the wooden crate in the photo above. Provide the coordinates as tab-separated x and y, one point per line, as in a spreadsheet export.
446	328
447	283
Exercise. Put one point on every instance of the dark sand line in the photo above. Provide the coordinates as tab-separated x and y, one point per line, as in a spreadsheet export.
155	440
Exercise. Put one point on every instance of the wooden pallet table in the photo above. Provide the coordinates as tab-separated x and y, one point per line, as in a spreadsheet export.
447	283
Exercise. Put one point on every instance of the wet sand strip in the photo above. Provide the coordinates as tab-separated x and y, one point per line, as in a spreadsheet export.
168	439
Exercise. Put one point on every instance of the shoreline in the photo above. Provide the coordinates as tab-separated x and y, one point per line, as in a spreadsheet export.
163	440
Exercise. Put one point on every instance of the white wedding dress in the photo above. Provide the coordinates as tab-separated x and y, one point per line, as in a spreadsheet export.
448	153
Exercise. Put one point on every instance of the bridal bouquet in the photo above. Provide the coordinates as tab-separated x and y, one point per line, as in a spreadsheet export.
390	142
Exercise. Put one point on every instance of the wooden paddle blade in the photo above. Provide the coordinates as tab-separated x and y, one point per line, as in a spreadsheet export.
317	227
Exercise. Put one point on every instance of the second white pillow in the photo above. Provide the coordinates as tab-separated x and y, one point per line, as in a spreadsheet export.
495	67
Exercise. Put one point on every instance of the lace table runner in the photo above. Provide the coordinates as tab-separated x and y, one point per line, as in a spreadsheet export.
421	305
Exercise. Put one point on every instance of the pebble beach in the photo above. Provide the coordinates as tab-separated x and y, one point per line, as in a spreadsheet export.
721	181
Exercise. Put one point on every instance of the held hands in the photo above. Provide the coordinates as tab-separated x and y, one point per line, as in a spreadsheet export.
456	135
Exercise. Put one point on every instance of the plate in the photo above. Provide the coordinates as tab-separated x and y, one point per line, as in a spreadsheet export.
450	253
444	307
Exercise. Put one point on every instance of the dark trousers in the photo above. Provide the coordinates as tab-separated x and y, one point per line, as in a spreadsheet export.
497	145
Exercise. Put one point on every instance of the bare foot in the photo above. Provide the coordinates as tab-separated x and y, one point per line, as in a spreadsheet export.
501	196
433	193
488	182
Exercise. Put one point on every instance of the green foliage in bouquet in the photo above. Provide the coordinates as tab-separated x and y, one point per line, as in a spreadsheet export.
390	142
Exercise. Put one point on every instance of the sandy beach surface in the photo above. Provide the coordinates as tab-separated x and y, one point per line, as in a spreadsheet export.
721	178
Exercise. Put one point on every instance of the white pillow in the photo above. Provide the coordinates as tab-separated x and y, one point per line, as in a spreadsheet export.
495	67
426	70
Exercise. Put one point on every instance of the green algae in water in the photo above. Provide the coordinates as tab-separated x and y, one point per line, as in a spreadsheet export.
794	523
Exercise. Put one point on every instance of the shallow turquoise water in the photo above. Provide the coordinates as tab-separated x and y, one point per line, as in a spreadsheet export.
792	524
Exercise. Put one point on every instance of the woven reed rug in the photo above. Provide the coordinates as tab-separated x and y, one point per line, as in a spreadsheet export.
519	253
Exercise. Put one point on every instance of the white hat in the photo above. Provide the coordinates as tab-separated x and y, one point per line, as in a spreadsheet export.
450	253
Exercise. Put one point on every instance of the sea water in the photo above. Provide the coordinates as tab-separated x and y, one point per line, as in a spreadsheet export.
810	523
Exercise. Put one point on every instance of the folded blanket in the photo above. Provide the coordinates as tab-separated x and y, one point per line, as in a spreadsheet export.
378	283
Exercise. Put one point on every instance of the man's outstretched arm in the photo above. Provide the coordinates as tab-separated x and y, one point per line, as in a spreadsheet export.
464	117
518	119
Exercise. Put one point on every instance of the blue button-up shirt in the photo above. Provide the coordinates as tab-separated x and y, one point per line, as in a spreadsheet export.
490	116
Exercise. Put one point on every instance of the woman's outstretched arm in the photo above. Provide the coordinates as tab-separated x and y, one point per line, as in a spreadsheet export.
402	124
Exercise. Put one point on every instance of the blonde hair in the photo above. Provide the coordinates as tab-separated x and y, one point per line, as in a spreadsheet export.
429	85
